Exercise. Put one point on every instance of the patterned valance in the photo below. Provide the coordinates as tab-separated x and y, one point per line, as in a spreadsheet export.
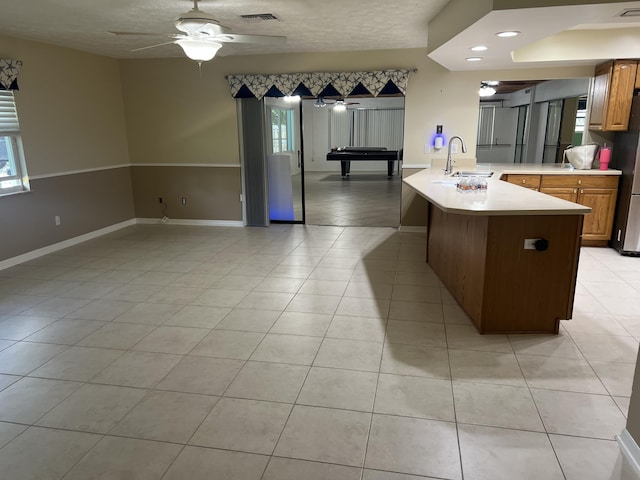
320	84
9	70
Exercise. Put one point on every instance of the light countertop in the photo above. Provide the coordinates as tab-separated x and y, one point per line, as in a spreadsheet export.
500	198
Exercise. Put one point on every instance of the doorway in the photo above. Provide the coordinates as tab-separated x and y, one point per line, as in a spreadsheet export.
277	135
285	159
367	196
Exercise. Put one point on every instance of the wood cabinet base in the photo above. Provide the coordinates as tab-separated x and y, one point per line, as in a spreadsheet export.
500	285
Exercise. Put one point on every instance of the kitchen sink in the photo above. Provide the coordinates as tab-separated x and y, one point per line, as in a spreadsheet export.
484	174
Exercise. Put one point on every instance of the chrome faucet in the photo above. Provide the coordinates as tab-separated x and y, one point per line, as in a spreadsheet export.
448	167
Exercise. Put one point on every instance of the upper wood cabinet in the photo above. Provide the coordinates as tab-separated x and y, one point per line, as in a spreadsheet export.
611	95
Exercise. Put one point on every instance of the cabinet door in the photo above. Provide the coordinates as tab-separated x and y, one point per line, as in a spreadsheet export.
623	82
598	96
597	225
569	194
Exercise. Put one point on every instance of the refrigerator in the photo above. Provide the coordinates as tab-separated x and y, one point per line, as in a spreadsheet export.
626	157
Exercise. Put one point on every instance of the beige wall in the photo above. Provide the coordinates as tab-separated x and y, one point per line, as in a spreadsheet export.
70	108
211	193
178	114
85	202
72	118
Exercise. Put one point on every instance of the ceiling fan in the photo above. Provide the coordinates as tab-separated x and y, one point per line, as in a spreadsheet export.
340	104
203	35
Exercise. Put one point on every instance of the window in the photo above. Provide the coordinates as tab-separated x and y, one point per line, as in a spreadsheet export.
282	130
13	176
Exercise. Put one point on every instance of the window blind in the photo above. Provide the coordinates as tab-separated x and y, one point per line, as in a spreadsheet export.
485	124
8	113
340	131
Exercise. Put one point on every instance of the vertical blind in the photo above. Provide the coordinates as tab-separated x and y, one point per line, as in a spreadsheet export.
367	128
486	124
8	114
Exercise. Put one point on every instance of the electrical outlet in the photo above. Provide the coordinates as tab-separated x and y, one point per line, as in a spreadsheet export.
454	148
530	243
183	200
57	220
427	148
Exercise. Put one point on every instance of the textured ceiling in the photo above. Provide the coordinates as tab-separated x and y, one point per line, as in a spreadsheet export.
309	25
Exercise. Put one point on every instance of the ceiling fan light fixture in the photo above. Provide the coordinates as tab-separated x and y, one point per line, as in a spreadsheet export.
198	49
339	107
486	91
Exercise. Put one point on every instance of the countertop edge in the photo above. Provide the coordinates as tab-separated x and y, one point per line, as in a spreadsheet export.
430	186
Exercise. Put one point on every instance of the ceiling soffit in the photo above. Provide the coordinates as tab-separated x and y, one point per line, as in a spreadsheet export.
538	21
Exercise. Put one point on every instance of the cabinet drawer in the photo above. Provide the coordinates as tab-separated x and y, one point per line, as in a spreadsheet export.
574	181
530	181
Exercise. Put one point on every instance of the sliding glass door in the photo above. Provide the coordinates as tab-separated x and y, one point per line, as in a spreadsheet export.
285	163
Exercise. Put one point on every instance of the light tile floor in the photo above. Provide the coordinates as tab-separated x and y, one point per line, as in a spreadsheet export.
299	352
364	199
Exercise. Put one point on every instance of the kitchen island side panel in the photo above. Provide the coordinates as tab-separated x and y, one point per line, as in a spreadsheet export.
500	285
456	250
530	290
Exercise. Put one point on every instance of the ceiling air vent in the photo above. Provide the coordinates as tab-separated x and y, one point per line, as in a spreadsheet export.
631	12
258	17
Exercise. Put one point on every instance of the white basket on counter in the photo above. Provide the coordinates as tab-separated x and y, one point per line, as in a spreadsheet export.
581	157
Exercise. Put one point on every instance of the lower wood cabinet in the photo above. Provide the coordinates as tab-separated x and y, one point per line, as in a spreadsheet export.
527	181
599	192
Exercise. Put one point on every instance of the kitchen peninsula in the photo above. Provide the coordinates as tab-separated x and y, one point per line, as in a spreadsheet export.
483	247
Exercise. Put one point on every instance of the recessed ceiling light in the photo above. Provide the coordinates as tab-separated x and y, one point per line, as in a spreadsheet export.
509	33
479	48
474	59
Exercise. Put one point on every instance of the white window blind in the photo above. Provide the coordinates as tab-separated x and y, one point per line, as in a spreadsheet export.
340	129
367	128
486	123
8	113
380	128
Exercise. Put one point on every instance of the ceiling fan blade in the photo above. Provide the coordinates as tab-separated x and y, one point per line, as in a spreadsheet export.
152	46
262	39
151	34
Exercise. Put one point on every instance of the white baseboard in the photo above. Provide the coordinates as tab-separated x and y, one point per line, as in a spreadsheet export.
630	450
25	257
202	223
409	229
